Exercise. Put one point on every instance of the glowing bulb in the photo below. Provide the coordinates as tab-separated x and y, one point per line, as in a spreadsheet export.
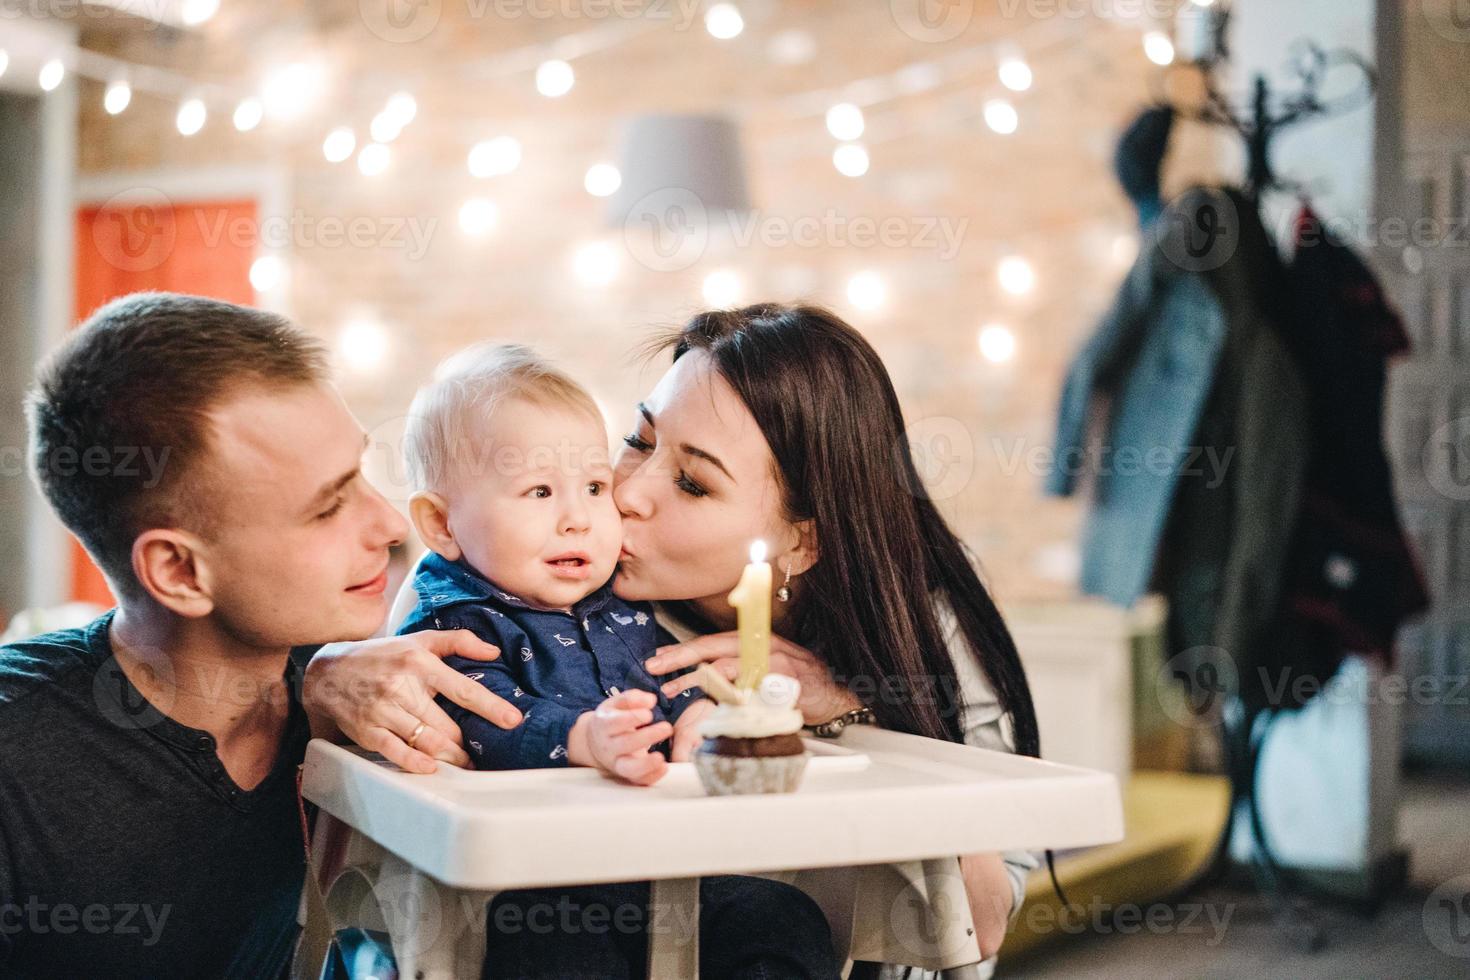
1016	275
602	180
373	159
195	12
52	72
721	288
385	127
596	264
997	344
363	345
555	78
339	144
266	273
190	119
117	97
1158	47
402	107
757	551
1002	117
850	159
845	121
494	157
248	114
478	217
289	91
866	291
723	21
1015	74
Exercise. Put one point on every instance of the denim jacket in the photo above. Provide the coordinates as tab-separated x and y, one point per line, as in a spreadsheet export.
553	665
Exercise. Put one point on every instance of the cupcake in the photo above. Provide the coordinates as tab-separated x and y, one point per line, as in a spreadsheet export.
752	741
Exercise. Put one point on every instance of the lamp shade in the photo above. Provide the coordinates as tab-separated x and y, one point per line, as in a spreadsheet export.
695	156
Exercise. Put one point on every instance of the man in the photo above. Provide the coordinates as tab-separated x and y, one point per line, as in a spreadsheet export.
148	816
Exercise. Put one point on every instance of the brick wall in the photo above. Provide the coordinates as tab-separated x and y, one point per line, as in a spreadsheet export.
1045	193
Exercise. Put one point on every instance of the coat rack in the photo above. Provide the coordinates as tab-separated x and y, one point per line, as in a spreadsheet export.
1268	112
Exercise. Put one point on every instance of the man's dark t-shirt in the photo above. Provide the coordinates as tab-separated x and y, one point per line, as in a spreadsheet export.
126	850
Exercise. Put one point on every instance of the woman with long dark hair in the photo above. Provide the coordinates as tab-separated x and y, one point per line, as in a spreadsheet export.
781	423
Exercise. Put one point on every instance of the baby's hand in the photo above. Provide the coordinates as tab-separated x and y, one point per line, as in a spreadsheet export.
617	736
686	730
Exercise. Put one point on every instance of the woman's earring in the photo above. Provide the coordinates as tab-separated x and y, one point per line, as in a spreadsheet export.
784	592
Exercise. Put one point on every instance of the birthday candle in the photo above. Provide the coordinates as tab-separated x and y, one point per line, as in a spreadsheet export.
752	601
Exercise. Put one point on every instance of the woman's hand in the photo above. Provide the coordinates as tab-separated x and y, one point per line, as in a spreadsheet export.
686	730
378	692
822	698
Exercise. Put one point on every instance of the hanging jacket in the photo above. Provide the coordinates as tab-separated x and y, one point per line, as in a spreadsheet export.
1354	577
1188	373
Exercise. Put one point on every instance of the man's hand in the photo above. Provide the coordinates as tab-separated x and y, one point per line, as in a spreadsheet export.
377	693
686	729
616	738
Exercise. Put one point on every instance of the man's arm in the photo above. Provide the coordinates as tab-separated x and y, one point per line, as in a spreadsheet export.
376	693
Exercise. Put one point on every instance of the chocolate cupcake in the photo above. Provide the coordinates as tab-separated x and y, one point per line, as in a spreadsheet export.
753	745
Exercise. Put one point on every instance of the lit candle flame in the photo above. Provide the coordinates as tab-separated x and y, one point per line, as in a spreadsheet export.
757	551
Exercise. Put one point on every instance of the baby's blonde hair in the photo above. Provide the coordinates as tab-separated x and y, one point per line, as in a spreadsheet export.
465	390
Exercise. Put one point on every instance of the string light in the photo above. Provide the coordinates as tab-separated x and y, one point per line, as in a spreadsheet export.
196	12
248	114
117	97
289	91
723	21
845	122
402	107
363	343
850	159
792	47
339	144
866	291
478	217
1159	48
997	344
372	160
1015	74
1002	117
554	78
52	72
191	116
595	263
602	180
1016	275
494	157
385	127
722	289
266	273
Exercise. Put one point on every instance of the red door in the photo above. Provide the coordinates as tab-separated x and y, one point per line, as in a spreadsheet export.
151	242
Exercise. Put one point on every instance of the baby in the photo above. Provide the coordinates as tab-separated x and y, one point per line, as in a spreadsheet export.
512	481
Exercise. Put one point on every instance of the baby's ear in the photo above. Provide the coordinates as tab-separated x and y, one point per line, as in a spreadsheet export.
430	515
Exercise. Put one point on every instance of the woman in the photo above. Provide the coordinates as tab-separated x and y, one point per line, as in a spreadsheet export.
781	423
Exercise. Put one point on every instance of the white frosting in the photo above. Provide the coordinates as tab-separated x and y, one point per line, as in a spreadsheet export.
772	711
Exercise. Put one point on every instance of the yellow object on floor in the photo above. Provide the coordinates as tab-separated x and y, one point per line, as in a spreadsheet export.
1173	821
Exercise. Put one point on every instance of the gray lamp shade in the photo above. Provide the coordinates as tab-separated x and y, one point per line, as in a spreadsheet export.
684	155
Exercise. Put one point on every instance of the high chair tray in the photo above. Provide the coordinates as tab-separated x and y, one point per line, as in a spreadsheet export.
868	797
